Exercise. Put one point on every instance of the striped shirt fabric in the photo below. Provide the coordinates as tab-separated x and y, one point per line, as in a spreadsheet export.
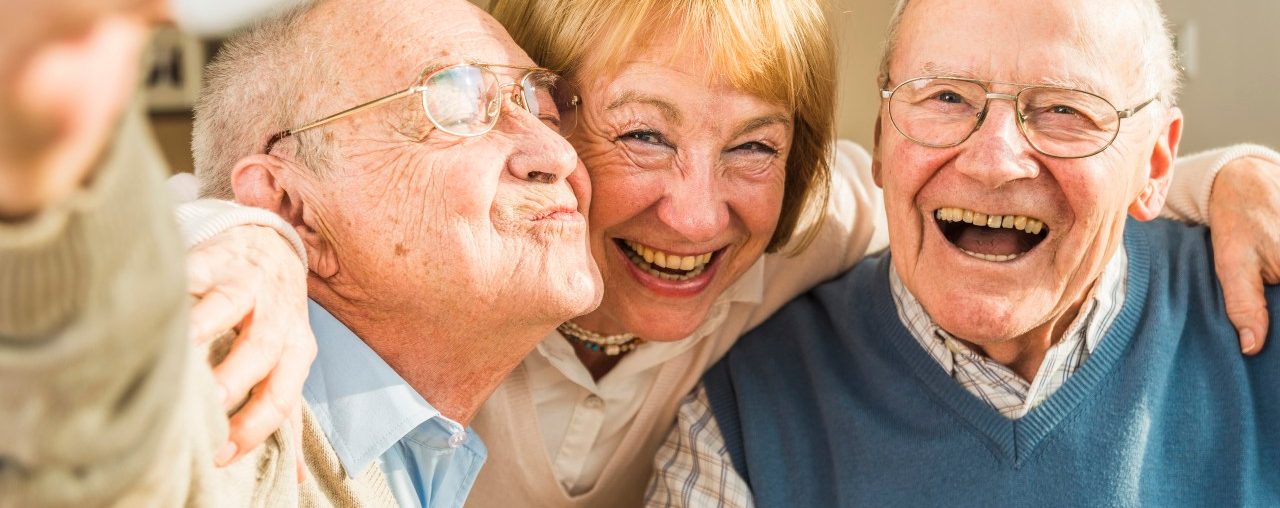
693	467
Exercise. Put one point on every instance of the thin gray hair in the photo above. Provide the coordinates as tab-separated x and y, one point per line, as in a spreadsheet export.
255	87
1159	59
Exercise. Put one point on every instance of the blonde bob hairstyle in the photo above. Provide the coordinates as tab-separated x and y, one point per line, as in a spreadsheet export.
778	50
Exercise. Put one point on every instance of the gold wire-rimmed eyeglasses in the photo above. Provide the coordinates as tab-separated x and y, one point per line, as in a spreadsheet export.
466	100
1066	123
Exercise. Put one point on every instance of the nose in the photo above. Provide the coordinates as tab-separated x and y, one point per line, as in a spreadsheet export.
997	153
693	206
541	155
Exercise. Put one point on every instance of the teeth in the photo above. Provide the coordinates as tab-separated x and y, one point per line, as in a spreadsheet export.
991	257
1034	226
647	258
1018	222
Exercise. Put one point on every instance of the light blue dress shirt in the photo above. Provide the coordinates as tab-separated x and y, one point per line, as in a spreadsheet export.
369	413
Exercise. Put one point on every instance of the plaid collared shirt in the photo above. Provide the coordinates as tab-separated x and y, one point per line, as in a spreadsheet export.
998	385
693	467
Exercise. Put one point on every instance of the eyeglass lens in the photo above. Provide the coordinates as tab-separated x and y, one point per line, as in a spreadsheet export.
466	100
1058	122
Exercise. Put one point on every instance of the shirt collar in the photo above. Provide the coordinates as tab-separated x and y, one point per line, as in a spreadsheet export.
1106	297
359	402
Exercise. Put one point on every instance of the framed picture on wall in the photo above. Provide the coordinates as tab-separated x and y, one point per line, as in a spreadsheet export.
171	79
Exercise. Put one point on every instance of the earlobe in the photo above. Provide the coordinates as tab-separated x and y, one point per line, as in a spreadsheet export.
876	166
1148	203
320	252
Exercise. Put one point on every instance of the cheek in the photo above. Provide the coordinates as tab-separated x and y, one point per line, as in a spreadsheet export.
619	194
757	203
905	172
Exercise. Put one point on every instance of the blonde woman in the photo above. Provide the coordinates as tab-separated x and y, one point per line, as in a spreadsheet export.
719	193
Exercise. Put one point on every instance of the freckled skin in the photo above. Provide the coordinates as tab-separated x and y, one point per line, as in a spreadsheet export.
689	186
1016	311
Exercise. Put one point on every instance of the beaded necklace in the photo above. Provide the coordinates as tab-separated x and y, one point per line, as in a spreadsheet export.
612	345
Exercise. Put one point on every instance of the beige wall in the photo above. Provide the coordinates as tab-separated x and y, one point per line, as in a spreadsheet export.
1231	95
859	27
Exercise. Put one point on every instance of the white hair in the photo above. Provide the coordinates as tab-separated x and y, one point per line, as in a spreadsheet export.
1158	60
260	83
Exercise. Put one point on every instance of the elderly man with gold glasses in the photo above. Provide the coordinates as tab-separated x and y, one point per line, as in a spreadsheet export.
1030	339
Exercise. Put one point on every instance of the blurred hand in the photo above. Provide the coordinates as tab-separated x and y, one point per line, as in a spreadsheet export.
1244	211
250	281
53	131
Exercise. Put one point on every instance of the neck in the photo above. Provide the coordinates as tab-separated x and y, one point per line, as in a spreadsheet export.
454	363
596	362
1025	354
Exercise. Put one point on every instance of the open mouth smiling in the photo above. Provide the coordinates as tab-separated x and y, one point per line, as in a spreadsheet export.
996	238
665	265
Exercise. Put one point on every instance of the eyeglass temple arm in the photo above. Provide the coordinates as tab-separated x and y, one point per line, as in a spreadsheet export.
1134	110
339	115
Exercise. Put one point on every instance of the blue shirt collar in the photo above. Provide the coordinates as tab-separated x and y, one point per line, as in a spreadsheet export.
362	405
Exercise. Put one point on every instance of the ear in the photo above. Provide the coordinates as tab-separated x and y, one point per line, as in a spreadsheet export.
1148	203
271	183
876	166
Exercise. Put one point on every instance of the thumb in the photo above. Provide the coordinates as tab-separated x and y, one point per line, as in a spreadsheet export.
1242	291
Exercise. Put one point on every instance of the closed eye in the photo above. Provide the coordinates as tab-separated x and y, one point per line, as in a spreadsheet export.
645	136
756	146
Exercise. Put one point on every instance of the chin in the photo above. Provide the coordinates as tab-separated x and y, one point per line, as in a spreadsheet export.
660	323
576	292
982	319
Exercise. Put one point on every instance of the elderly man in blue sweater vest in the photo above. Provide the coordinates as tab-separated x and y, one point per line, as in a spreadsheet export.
1031	339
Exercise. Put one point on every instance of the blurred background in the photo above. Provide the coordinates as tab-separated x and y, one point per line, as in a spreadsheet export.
1230	49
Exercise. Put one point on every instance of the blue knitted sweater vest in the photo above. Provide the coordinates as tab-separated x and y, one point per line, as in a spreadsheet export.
833	403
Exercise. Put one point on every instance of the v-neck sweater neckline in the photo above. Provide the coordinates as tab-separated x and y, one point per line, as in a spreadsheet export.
1015	440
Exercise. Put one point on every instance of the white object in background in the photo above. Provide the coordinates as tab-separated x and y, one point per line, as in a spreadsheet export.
217	17
1187	40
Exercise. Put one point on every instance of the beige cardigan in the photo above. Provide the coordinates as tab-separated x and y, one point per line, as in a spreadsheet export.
102	400
519	470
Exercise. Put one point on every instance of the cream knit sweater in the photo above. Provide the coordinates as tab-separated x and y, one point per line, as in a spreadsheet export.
103	402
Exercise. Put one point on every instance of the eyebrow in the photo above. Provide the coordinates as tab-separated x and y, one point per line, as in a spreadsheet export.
756	123
668	109
937	69
436	63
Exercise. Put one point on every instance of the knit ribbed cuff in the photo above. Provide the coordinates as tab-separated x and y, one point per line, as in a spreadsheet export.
203	219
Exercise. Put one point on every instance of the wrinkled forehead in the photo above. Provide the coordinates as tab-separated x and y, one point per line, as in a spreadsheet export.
1085	44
